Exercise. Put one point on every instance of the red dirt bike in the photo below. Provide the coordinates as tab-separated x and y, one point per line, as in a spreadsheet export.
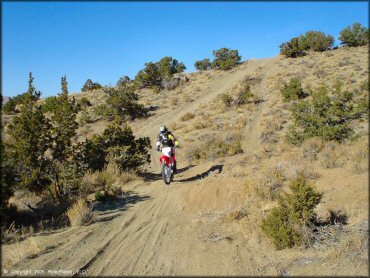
168	160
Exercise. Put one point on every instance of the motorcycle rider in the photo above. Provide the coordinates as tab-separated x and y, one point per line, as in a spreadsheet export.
167	139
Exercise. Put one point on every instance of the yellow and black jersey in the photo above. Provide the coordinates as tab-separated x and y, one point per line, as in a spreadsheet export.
167	139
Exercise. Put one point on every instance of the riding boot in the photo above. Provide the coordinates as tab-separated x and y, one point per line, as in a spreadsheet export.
174	167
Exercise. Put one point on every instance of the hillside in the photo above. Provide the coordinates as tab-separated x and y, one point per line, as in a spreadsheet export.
208	221
5	99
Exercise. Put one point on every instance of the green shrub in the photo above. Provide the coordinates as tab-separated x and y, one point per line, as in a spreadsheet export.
85	102
244	96
312	40
292	49
123	81
70	175
168	66
154	74
286	224
149	77
90	86
316	41
50	104
121	103
11	104
276	225
117	145
225	58
293	90
105	194
203	64
355	35
362	107
227	100
325	116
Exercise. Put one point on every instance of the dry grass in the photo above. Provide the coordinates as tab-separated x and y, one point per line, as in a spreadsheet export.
186	117
265	177
20	250
121	177
311	148
187	98
238	171
175	126
358	154
110	177
270	180
299	166
80	213
84	130
332	155
236	215
269	135
200	122
174	100
16	253
215	147
267	185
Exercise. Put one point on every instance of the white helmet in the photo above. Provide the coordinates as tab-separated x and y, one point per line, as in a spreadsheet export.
163	129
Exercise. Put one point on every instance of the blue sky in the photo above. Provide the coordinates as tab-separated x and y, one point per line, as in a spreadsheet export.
106	40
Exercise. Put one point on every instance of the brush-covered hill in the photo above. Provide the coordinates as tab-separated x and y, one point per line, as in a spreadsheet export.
235	159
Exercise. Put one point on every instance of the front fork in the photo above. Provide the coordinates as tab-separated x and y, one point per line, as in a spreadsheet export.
173	160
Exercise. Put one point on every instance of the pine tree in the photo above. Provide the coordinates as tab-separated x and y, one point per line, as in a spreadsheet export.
64	86
63	132
8	178
64	124
30	131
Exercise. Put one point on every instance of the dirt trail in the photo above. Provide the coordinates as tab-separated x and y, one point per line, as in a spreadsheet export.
157	230
253	130
222	85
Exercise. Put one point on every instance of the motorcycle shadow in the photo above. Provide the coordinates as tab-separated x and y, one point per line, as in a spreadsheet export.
204	174
182	170
158	176
110	209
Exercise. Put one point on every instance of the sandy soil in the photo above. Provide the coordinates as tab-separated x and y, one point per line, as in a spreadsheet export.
182	229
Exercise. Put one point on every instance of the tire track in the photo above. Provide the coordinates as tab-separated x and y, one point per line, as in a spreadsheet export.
107	247
141	241
149	237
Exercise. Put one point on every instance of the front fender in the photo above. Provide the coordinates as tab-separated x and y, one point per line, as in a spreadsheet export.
165	158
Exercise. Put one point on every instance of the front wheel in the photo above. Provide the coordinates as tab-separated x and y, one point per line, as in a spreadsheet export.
166	173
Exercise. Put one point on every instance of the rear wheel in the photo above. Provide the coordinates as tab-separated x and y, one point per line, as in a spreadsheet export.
166	173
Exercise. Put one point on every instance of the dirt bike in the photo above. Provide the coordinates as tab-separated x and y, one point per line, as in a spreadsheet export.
168	160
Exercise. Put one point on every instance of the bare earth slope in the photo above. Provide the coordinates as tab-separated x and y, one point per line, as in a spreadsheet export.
188	228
